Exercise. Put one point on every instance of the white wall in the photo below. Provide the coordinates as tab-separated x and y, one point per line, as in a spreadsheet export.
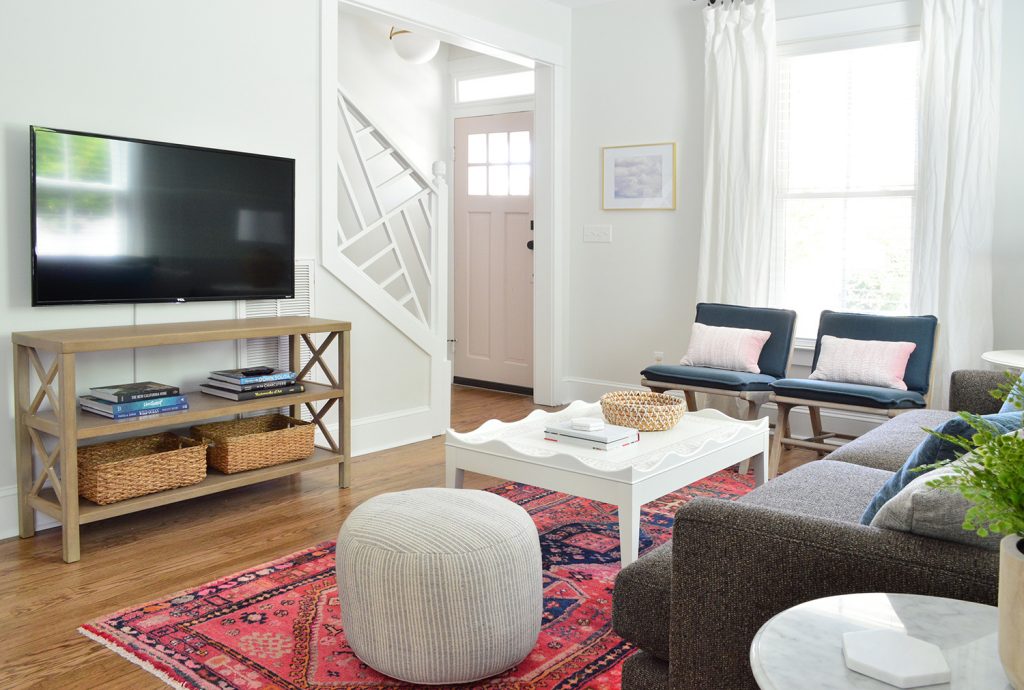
234	74
184	74
638	78
1008	248
389	90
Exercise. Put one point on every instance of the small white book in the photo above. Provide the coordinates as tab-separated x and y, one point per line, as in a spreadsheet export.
587	423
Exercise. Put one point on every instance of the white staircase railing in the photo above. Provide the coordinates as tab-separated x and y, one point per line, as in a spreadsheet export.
389	240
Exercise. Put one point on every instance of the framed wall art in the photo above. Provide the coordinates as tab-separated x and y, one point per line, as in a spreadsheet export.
639	177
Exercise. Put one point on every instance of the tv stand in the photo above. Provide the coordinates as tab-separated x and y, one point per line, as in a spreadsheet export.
50	357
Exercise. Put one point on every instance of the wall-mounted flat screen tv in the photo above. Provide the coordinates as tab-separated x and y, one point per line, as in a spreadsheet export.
125	220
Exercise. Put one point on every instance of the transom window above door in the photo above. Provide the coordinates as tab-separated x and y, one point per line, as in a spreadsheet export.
499	164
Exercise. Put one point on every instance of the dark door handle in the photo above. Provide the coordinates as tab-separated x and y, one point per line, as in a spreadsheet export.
529	245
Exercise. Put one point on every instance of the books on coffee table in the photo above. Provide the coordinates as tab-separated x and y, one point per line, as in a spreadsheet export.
609	437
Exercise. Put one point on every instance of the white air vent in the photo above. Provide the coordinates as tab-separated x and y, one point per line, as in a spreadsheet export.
273	352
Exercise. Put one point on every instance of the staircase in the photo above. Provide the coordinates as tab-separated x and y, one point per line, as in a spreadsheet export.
387	242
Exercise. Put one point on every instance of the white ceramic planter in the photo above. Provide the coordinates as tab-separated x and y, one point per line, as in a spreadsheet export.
1011	609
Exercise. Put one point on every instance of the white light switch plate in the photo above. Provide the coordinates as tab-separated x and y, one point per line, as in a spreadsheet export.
597	233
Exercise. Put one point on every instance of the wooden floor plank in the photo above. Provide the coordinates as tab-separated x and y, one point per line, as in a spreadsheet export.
134	558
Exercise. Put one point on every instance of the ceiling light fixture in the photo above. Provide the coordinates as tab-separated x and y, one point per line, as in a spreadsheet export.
412	47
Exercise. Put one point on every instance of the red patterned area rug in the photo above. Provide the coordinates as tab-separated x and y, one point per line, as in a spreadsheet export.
277	625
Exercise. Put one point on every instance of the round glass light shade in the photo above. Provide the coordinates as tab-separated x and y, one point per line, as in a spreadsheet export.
414	48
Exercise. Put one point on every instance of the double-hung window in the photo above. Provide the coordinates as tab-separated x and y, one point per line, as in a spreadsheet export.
846	172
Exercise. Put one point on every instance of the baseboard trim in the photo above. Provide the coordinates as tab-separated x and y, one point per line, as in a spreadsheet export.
9	514
492	386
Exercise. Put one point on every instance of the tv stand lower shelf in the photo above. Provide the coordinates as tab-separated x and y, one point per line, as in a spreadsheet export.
44	371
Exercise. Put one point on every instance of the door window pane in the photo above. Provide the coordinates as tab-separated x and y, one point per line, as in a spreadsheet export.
497	144
477	148
498	183
519	180
519	147
478	180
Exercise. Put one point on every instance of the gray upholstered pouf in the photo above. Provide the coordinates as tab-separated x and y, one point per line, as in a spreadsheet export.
440	585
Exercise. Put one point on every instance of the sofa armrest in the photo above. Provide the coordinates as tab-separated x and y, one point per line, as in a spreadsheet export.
736	565
969	390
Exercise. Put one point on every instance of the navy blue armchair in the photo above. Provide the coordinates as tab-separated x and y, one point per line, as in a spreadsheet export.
788	394
752	389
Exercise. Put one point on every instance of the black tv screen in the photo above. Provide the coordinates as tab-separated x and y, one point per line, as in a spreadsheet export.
125	220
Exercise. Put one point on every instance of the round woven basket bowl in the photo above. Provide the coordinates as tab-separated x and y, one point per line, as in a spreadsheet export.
642	410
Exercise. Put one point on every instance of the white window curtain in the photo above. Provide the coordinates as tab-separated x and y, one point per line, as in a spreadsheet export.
959	136
738	245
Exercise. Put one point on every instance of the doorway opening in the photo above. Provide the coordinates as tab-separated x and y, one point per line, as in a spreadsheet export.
400	99
492	287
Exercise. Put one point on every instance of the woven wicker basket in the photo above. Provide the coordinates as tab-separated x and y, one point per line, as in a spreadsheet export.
642	410
254	442
114	471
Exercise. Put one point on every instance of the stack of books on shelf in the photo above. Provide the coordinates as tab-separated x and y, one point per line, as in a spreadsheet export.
251	383
133	400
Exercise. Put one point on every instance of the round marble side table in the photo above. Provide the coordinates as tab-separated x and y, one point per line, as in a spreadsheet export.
1011	359
802	647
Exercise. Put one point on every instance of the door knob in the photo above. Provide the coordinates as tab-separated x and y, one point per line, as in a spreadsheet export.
529	245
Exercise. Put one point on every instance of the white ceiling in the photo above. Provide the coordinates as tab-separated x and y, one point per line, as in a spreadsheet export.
579	3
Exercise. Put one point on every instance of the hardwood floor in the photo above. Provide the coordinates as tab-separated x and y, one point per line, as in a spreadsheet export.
134	558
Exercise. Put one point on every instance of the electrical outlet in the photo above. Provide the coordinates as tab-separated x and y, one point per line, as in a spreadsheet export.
658	357
597	233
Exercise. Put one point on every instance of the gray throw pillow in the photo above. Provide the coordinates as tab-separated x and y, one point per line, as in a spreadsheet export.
931	512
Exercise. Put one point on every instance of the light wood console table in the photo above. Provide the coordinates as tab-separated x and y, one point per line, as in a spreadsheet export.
50	357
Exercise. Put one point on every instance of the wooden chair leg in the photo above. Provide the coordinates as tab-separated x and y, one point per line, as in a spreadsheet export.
691	400
816	430
781	436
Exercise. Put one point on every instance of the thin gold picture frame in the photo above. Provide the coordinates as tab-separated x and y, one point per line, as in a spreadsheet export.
670	206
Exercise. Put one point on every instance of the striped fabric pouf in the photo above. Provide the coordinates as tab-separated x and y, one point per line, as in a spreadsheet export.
440	586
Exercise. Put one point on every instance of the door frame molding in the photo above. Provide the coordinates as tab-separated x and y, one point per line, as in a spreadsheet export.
551	119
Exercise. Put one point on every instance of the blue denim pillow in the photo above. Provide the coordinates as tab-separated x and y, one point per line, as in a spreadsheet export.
1016	393
932	450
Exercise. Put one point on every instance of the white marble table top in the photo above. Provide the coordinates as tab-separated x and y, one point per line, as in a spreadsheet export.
802	647
1012	359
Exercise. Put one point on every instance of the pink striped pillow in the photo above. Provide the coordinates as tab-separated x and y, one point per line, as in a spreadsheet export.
720	347
880	363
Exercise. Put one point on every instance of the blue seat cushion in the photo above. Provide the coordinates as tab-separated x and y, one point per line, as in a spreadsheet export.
848	394
933	450
706	377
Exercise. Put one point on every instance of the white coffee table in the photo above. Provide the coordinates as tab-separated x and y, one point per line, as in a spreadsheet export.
703	443
802	647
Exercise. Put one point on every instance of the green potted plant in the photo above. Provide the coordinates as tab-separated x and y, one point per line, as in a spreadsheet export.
991	477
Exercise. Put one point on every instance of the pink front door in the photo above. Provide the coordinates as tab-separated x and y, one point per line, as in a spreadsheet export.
493	262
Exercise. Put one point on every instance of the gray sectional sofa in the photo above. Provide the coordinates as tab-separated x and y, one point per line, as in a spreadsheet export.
692	606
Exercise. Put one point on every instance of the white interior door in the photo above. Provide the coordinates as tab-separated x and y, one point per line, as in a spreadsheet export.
493	249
